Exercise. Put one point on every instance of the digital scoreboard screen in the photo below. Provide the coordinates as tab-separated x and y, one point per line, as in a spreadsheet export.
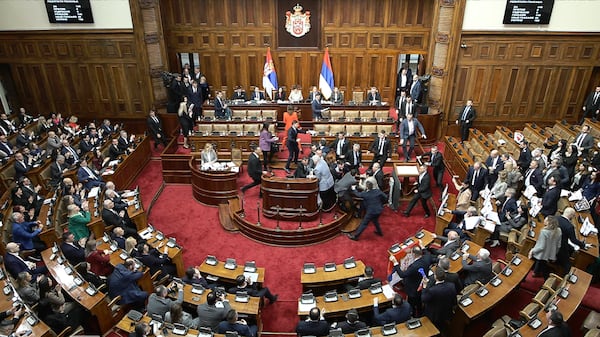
528	12
69	11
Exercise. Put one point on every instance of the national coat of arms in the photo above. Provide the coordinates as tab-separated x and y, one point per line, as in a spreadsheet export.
297	23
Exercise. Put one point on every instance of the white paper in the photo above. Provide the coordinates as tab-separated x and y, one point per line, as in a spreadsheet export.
575	196
388	292
305	307
253	276
564	193
530	191
94	192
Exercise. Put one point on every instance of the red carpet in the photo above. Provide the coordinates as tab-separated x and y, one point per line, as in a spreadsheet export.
198	230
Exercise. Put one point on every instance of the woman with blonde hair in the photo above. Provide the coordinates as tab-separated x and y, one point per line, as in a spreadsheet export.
78	220
546	247
208	155
130	246
500	185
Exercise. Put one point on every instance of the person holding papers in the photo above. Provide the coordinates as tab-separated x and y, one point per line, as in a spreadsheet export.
470	220
208	156
565	223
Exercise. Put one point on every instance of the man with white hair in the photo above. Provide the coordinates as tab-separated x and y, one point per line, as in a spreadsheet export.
326	182
15	264
481	268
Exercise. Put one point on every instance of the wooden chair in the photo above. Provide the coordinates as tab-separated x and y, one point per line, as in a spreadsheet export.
117	310
552	283
208	113
498	266
542	297
205	129
386	128
220	128
254	114
269	114
352	115
530	311
379	114
593	333
251	127
238	114
353	129
336	114
321	129
515	241
238	129
358	96
334	129
369	129
367	114
68	332
591	322
499	331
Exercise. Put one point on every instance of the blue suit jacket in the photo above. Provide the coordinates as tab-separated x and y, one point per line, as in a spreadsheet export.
123	282
404	128
23	234
397	315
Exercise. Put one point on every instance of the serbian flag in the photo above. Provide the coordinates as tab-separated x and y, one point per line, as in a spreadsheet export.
326	78
269	75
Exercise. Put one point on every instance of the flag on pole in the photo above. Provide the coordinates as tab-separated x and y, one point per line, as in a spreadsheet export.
326	78
269	75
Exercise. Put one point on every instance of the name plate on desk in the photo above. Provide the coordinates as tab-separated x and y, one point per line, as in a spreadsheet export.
309	268
455	256
507	271
330	296
349	263
419	235
211	260
572	278
91	291
534	323
197	289
389	329
230	264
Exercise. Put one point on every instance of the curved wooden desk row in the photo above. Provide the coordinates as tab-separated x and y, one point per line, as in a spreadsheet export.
193	298
127	325
341	275
339	308
427	329
229	275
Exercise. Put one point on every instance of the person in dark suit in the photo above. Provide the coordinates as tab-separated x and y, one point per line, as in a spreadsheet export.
209	314
373	97
381	149
494	165
21	166
112	217
373	201
221	109
314	325
400	311
400	110
550	198
533	177
280	95
412	277
408	134
114	151
475	179
465	119
85	144
155	261
481	268
439	299
557	327
15	264
353	158
565	223
416	89
292	144
194	95
364	282
337	97
340	145
317	107
73	251
254	168
245	284
351	324
436	160
423	192
257	95
444	264
591	106
450	244
407	106
123	282
5	146
88	177
232	323
57	169
584	141
239	94
156	129
509	206
303	169
524	156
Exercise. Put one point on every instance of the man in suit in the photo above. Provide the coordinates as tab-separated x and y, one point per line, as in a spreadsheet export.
591	106
114	151
159	303
112	217
88	177
509	206
314	325
408	134
584	141
257	95
244	284
292	144
380	148
439	299
303	169
351	324
436	160
494	165
373	97
123	282
21	166
353	158
254	169
85	145
408	106
557	169
195	97
412	277
239	94
476	177
125	143
404	78
15	264
465	119
221	109
337	97
551	197
557	327
444	264
155	260
400	311
340	145
524	156
53	144
450	244
326	183
156	129
239	326
364	282
73	251
565	222
317	107
57	169
533	177
416	89
373	201
422	193
378	175
26	233
6	147
481	268
209	314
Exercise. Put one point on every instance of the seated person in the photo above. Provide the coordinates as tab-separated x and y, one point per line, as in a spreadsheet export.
98	260
123	282
208	155
88	176
15	264
27	287
513	221
177	315
60	319
8	326
156	261
467	225
210	314
450	244
73	251
303	170
84	269
193	276
364	282
351	324
232	323
118	236
314	325
400	311
27	233
481	268
112	217
114	151
159	303
245	285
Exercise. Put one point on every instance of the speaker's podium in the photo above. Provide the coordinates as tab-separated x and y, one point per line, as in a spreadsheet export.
290	198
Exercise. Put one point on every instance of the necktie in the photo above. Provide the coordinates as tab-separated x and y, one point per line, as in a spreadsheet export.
155	120
381	146
528	177
464	116
579	140
355	158
409	110
596	98
474	177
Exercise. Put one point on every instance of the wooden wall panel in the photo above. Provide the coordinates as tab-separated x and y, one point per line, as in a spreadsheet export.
519	78
364	40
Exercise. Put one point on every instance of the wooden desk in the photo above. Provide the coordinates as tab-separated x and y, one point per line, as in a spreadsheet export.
481	305
295	198
229	275
251	308
343	304
131	166
566	306
40	329
127	325
97	304
324	279
585	257
212	187
406	171
96	225
456	265
427	329
145	282
175	253
442	221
